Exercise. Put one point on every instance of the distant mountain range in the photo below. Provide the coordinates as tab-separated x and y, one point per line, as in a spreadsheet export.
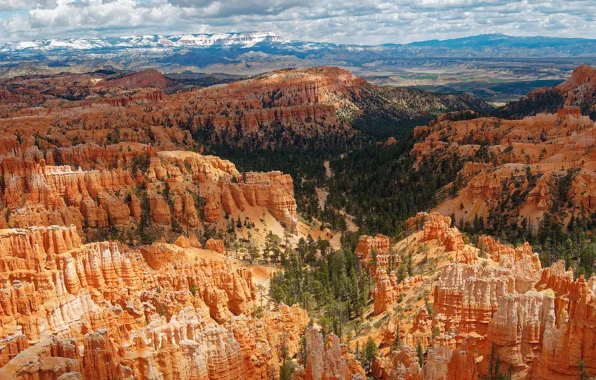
494	66
234	45
245	40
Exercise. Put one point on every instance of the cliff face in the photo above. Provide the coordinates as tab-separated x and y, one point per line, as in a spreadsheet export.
537	333
373	252
513	168
274	109
169	191
579	90
500	313
101	309
388	289
90	161
328	360
281	108
142	79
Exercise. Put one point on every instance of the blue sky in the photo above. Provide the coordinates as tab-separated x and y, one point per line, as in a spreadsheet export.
348	21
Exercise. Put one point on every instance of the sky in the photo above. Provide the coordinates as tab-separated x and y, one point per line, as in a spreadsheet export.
347	21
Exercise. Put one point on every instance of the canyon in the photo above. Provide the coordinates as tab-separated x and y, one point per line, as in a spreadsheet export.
129	251
514	170
281	108
500	313
104	310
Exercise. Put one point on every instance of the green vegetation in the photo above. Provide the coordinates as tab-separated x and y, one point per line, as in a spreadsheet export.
494	367
304	165
287	366
547	101
370	353
549	236
333	288
420	352
379	187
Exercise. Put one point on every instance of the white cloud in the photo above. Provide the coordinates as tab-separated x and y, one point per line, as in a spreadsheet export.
348	21
26	4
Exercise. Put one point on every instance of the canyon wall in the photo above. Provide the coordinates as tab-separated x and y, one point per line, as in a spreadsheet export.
499	313
101	309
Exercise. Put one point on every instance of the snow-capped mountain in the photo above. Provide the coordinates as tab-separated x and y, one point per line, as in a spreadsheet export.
247	40
253	53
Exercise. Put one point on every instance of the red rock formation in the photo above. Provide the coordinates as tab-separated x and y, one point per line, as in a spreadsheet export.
521	260
327	361
450	364
519	163
160	210
569	111
438	227
133	314
141	79
216	245
468	295
182	241
40	194
538	334
388	289
578	90
402	363
375	249
568	333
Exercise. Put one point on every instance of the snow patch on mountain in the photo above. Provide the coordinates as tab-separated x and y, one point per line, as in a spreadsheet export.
246	40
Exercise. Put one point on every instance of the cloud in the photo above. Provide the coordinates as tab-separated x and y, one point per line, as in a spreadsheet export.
6	5
348	21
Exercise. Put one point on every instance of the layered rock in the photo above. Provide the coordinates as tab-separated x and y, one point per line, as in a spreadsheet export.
388	289
35	193
216	245
327	360
521	260
402	363
437	226
510	166
538	326
373	251
121	313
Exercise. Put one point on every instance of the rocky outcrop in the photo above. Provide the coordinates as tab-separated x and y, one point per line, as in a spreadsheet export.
124	313
444	363
468	295
141	79
388	289
524	263
373	252
437	226
511	166
401	363
166	195
534	321
216	245
160	210
327	360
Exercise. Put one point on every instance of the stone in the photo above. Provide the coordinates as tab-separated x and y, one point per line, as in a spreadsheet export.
216	245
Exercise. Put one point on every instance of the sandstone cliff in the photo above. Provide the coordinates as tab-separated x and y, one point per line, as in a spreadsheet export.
513	167
167	194
328	360
501	312
101	310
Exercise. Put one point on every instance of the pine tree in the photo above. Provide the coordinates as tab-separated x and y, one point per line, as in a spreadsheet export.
420	351
287	367
370	353
583	374
397	340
